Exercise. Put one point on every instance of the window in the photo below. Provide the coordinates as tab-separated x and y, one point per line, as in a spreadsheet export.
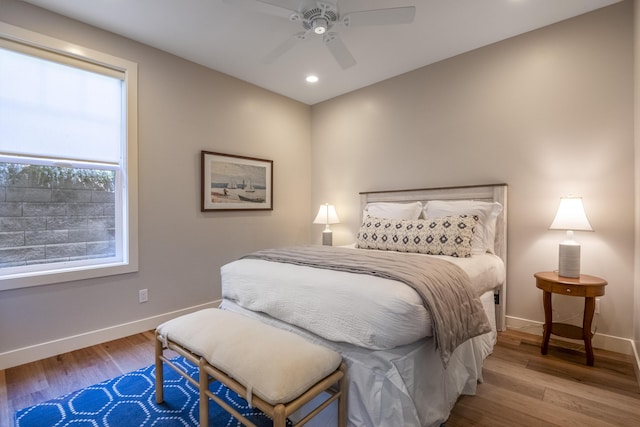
68	161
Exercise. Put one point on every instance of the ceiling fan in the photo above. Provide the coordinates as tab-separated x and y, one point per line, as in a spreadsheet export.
322	18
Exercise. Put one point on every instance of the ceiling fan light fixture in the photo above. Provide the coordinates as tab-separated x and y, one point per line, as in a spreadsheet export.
320	25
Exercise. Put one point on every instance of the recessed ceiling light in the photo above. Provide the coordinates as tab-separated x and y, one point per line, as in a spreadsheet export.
312	79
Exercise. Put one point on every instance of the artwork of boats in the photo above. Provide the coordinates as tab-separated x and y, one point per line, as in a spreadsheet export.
235	182
235	190
251	199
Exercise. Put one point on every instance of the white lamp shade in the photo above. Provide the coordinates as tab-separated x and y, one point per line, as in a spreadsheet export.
571	215
326	215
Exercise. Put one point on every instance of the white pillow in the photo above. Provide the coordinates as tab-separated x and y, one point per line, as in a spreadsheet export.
390	210
486	213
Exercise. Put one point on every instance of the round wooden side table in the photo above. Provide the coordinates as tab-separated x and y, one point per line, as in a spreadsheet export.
588	287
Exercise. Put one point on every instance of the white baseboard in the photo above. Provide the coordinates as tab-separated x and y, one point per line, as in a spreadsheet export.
636	365
52	348
602	341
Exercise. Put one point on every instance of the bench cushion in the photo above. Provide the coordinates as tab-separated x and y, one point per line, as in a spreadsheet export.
275	365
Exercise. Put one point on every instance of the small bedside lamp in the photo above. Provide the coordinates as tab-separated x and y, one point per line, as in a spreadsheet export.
327	215
570	217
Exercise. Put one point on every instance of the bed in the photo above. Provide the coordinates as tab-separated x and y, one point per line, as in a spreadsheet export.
403	367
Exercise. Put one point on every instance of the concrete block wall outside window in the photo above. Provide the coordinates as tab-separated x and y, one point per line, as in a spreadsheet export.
54	221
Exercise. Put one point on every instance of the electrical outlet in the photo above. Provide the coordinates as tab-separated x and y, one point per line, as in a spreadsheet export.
143	295
597	305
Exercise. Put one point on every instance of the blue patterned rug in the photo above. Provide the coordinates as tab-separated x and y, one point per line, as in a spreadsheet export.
129	400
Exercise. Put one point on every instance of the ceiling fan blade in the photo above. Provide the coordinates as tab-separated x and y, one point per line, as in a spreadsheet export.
281	9
391	16
339	51
284	47
291	5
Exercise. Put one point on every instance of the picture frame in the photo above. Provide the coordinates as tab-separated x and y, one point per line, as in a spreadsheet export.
234	183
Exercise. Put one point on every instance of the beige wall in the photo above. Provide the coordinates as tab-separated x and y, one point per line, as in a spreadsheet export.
183	109
550	113
636	299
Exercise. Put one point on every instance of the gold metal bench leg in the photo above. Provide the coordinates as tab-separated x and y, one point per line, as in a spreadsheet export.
159	373
342	400
204	399
279	416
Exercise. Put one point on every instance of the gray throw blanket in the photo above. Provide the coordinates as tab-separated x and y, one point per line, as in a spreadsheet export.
444	287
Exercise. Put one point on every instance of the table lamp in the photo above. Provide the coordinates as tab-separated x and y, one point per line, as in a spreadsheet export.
327	215
570	217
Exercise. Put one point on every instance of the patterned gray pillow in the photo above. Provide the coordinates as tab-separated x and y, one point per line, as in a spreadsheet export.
449	235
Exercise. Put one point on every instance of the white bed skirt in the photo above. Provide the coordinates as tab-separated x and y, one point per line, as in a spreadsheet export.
405	386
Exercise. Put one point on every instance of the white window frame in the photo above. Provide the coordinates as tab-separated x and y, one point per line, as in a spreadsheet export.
129	262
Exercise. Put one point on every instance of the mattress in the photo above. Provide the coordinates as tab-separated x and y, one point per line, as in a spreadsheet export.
366	311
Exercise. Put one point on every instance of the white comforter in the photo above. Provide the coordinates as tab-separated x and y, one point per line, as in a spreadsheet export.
367	311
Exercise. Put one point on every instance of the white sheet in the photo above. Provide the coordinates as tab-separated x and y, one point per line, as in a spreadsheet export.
406	386
363	310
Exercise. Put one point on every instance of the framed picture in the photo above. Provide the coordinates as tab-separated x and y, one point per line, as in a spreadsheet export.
236	183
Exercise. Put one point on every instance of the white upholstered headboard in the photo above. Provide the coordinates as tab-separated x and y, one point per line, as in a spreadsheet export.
490	192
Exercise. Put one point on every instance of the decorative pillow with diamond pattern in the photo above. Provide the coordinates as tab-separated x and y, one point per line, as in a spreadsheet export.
449	235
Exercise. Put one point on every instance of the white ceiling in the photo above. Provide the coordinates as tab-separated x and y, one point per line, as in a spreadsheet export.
231	37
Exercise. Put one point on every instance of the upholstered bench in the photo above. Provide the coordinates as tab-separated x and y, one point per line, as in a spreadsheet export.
276	371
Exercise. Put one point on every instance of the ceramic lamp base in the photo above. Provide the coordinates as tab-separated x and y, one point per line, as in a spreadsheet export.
327	238
569	260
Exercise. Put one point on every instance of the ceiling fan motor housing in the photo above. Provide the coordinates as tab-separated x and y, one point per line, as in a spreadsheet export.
324	15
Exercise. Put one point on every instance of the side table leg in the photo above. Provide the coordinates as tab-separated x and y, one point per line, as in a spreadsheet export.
589	309
548	319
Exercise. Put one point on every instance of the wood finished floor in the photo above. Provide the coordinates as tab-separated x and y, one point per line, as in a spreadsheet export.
521	387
